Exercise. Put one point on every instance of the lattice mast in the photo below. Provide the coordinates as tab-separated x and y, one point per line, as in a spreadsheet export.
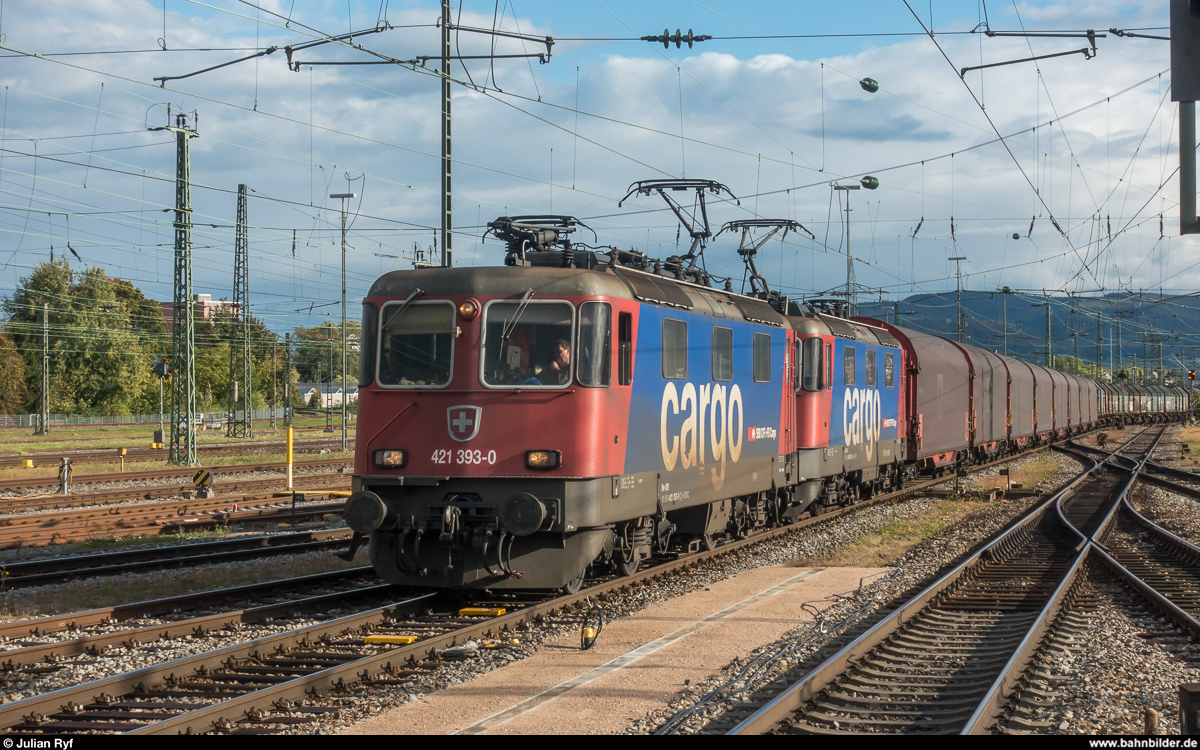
182	447
239	422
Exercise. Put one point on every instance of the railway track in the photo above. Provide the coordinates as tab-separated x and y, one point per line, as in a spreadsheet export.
228	487
57	570
253	687
112	455
945	661
31	646
133	521
184	472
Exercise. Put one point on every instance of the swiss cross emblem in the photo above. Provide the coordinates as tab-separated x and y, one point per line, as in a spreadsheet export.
463	422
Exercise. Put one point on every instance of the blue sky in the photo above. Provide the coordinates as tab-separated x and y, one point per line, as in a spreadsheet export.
777	120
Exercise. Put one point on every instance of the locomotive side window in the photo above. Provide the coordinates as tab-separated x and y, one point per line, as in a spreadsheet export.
594	350
870	363
797	368
722	354
674	357
625	348
528	344
370	329
889	369
762	358
848	366
828	382
813	365
416	344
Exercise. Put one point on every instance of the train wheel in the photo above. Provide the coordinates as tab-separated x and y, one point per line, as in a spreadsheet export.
575	585
627	567
708	542
816	509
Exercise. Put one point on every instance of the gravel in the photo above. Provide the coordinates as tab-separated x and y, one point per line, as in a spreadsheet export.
802	649
1131	660
1174	512
813	542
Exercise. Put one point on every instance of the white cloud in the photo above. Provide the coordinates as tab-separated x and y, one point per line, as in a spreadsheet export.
753	122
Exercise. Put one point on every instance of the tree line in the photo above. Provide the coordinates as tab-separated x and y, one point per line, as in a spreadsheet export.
105	336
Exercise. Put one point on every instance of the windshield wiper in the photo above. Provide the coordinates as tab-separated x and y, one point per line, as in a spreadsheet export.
400	310
510	325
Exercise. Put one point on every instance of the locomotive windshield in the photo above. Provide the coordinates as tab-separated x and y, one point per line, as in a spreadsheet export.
416	344
528	347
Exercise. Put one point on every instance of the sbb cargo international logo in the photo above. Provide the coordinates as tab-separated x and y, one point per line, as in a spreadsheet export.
761	433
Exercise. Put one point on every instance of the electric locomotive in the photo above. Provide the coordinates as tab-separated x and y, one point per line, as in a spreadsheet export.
486	460
585	407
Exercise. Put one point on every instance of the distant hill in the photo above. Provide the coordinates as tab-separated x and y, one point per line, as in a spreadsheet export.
1147	321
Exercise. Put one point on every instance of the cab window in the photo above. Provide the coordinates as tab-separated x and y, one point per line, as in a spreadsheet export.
813	365
828	382
370	331
416	344
594	349
528	345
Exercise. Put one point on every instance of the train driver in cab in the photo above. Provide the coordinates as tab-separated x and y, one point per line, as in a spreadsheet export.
558	370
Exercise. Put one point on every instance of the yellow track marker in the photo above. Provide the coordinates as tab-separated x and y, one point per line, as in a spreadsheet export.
400	639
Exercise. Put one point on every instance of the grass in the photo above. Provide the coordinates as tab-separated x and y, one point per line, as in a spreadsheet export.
111	544
23	604
1033	471
82	437
1113	436
1190	436
887	544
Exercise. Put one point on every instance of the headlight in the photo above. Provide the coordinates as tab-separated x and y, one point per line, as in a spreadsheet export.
468	309
393	459
542	459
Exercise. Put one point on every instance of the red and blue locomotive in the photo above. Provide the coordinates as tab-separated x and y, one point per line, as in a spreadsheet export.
584	407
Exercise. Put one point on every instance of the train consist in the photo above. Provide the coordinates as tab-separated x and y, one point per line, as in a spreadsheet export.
589	407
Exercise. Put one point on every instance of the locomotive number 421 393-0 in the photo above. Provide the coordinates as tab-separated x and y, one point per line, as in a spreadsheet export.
464	457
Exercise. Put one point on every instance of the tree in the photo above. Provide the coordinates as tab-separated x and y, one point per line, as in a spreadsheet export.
12	377
319	353
102	339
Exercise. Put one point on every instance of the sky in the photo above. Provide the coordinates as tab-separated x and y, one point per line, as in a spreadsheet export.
1056	176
